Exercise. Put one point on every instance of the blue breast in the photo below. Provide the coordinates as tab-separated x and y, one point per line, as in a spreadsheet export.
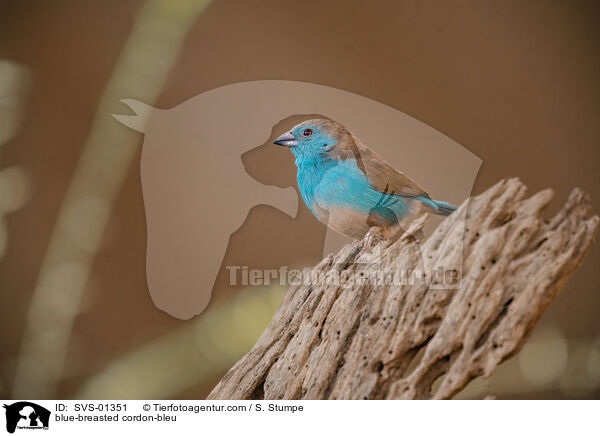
327	184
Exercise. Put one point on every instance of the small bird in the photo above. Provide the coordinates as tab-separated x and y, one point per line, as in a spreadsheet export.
350	188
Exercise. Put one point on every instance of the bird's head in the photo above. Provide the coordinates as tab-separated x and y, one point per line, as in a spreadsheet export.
313	138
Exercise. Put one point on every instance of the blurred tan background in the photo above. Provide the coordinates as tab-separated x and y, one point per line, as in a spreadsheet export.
515	82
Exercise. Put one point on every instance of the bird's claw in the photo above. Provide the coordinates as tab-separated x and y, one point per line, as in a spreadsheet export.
372	238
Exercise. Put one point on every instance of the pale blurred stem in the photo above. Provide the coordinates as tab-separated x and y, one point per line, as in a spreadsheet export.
140	73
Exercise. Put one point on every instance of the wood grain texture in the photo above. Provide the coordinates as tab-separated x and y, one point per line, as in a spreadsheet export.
367	340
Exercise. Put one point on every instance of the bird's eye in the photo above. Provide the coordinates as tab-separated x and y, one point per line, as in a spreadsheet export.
307	132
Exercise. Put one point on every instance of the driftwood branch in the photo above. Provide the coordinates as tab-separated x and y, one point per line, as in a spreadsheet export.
362	340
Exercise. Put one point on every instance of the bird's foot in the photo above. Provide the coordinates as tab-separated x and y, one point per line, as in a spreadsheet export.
372	238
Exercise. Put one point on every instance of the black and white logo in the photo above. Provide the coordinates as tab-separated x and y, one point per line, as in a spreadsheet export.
26	415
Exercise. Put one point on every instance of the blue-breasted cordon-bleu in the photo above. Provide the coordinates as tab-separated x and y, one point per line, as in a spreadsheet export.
350	188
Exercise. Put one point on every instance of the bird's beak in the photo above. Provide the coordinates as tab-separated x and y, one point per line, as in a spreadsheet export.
287	140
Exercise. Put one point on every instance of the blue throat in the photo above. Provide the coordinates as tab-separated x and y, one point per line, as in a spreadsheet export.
311	171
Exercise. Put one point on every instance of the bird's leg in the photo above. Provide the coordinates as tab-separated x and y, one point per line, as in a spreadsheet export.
373	237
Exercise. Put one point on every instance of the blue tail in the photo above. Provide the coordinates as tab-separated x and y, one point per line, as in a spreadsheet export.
438	207
444	208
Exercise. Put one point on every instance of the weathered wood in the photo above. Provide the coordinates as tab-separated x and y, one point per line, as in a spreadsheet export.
364	340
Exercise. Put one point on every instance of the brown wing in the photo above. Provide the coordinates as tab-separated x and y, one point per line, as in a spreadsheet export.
383	177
